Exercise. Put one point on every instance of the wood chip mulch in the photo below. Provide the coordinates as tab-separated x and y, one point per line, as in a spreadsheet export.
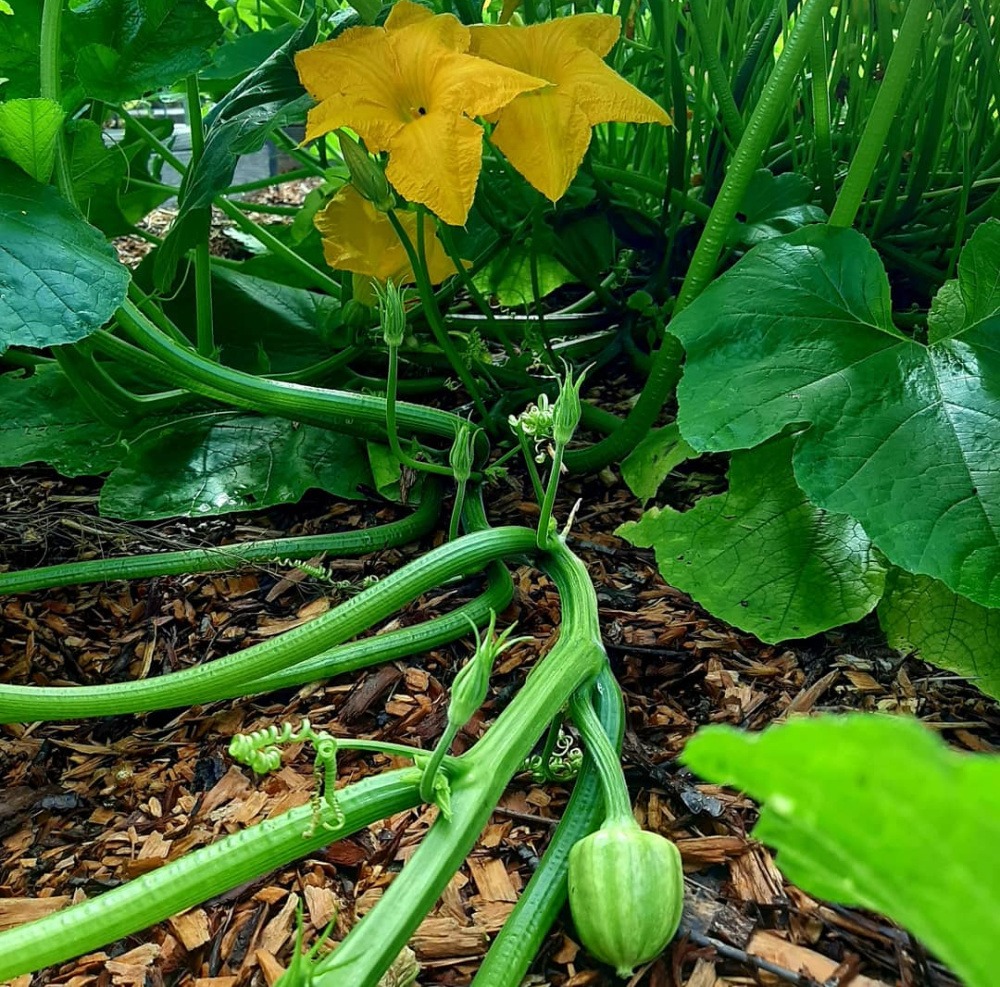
88	805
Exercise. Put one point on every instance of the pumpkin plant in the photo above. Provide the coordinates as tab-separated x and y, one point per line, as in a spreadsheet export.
503	170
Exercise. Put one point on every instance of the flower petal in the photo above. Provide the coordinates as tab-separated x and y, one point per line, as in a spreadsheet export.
605	96
359	239
544	136
435	160
406	12
373	122
477	87
537	48
355	79
420	29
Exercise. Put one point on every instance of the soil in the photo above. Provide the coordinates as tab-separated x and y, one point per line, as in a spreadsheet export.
90	804
87	805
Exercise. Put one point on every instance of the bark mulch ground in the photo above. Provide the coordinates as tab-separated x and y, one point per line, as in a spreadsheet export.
88	805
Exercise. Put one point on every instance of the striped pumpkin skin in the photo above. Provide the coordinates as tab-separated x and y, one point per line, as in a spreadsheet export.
626	894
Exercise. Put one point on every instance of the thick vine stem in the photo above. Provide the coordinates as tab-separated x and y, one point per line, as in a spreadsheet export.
617	804
521	937
358	414
477	784
223	557
459	558
198	876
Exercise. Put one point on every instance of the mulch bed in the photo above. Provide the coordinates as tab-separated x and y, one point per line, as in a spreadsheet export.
85	806
88	805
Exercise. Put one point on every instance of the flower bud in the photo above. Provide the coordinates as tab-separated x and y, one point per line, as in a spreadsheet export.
567	409
392	313
626	894
366	176
468	691
462	451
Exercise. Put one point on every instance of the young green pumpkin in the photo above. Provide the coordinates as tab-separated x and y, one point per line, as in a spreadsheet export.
626	886
626	893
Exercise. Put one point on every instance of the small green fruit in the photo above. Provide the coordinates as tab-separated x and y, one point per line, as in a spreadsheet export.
626	893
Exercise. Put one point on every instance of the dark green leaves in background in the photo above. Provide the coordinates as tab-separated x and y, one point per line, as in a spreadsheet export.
60	280
220	463
212	463
139	46
913	832
921	615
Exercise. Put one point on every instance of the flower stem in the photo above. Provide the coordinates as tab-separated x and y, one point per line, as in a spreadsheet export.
417	258
205	334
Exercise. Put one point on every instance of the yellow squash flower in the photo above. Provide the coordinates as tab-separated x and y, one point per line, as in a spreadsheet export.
410	89
545	134
359	238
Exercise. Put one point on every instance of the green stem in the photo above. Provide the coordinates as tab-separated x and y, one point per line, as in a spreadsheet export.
430	769
270	181
462	557
882	113
357	414
217	559
716	74
819	66
50	84
205	333
199	875
477	784
617	803
545	536
767	114
652	186
417	259
522	935
390	421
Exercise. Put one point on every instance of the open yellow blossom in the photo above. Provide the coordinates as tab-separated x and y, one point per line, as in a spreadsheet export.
359	238
410	89
545	134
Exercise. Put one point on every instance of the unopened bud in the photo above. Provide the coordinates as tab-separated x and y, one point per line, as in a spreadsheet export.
462	452
366	176
468	691
567	409
392	313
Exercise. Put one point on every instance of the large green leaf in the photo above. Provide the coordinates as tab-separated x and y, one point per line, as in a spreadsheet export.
261	325
653	459
776	204
875	811
975	295
220	463
59	279
922	615
93	167
44	421
28	132
761	556
904	437
142	45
